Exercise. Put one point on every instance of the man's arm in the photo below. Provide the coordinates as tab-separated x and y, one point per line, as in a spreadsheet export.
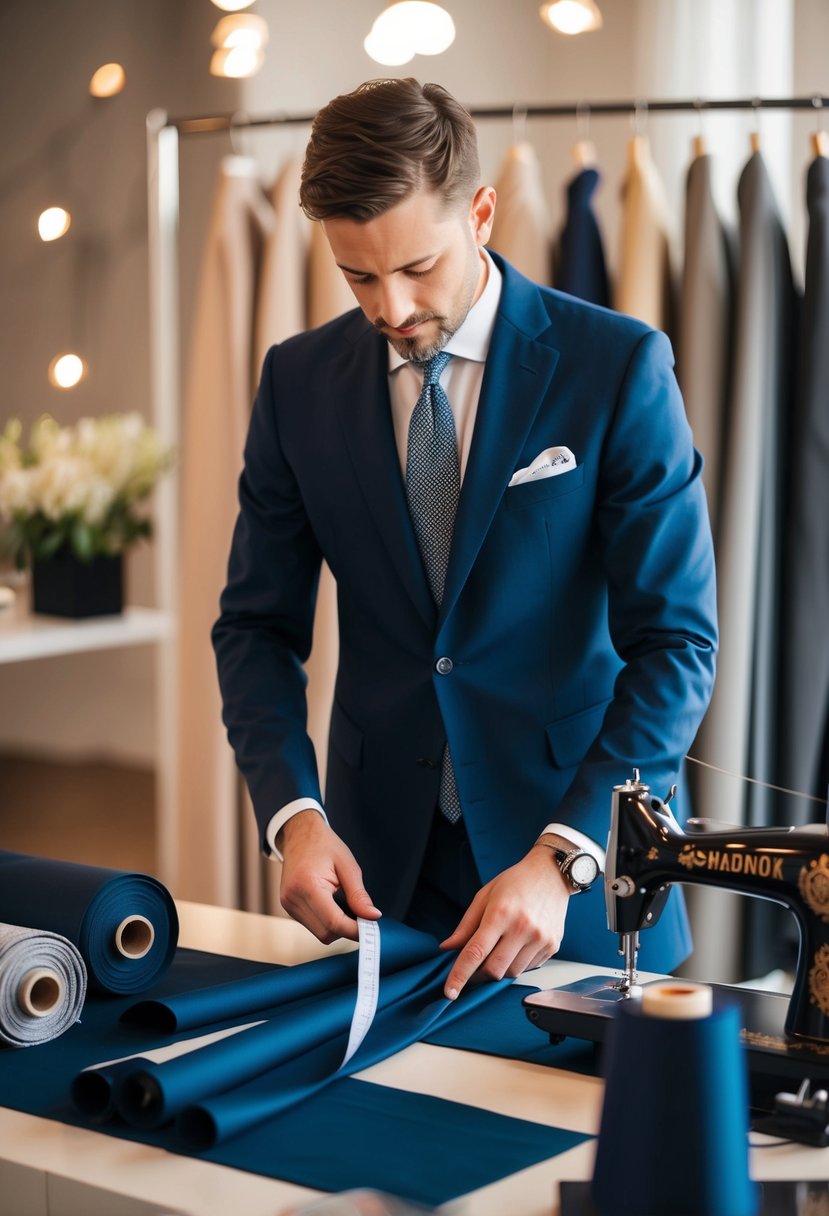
658	556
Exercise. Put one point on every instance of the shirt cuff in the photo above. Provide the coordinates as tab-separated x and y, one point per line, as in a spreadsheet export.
278	821
578	838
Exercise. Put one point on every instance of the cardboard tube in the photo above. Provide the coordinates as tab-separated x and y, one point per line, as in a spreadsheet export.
677	999
40	992
134	937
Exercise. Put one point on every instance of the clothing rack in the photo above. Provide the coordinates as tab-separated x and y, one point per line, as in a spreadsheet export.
163	134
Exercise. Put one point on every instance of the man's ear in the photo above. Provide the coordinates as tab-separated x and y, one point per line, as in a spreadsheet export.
481	214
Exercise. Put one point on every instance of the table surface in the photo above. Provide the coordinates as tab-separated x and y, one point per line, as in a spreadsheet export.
199	1188
25	635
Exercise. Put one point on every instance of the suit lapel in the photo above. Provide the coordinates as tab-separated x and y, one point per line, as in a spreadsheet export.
518	372
365	415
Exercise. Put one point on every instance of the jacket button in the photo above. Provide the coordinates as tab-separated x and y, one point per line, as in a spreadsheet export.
425	762
444	666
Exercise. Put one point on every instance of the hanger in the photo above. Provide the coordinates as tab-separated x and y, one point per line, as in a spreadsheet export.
638	142
519	125
819	139
698	146
754	136
238	163
583	150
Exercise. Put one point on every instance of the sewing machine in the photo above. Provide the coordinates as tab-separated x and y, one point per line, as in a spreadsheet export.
647	852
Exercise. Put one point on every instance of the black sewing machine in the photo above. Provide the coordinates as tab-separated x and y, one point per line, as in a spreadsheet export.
785	1037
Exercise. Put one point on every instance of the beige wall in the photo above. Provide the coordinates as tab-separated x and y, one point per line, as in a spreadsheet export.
91	289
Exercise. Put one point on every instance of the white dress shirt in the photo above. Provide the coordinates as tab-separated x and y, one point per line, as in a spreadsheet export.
461	378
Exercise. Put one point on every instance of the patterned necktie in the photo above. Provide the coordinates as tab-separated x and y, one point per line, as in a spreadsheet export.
433	483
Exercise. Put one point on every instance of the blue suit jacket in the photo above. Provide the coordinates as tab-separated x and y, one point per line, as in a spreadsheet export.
578	612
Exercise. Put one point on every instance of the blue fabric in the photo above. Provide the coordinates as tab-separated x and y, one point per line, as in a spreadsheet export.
580	267
376	1136
86	904
578	611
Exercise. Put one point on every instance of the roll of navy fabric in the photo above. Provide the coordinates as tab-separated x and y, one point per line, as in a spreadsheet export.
402	948
676	1104
93	1090
89	905
42	985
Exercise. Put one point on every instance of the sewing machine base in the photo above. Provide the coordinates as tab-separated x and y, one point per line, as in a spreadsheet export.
583	1010
776	1198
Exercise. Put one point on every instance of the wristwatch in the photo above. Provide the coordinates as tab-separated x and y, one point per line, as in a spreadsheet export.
579	868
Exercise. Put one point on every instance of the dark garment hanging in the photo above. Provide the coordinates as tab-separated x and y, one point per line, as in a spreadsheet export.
580	267
804	688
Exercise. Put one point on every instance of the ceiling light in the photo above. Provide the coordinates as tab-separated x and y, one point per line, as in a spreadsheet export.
108	80
241	30
407	28
53	223
232	6
236	61
571	16
65	371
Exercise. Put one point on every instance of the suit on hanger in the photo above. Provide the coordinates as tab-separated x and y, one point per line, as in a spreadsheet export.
644	284
804	664
577	619
580	267
521	229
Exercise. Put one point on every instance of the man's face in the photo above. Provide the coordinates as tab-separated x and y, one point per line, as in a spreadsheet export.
417	269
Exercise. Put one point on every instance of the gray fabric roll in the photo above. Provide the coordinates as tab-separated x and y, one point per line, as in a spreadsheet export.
42	985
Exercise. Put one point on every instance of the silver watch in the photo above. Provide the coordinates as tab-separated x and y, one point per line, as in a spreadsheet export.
579	867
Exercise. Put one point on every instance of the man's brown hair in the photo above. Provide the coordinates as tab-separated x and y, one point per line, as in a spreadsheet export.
372	148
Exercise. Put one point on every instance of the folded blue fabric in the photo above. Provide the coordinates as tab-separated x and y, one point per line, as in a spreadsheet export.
124	925
427	1149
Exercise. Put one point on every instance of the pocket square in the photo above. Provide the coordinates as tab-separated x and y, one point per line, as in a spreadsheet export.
548	463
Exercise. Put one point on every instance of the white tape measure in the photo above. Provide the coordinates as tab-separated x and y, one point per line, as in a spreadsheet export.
368	985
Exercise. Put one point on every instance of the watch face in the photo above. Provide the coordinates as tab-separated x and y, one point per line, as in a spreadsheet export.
584	869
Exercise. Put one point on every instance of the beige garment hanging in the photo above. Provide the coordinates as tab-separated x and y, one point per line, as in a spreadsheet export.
282	305
216	411
522	230
281	312
644	283
328	292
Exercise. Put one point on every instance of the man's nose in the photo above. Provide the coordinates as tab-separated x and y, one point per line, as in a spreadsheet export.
395	303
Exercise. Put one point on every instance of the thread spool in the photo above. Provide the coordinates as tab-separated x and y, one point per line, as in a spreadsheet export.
40	993
674	1128
134	937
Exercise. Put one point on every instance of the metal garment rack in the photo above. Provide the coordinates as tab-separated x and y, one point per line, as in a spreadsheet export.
163	180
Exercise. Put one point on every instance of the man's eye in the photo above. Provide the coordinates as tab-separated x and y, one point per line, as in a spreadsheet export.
419	274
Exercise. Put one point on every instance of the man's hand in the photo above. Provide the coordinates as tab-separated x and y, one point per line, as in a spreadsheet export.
316	865
514	923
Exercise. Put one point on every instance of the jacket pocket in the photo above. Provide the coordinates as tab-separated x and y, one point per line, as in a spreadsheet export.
345	737
569	738
547	487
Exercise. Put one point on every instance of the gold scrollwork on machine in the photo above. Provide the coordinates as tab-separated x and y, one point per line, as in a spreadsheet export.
819	980
776	1042
813	882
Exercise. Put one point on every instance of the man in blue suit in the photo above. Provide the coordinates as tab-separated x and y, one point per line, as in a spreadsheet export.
482	713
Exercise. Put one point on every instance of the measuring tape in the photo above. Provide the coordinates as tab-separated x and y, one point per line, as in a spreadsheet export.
368	985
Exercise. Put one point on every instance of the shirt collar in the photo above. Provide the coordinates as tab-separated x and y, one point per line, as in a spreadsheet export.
471	339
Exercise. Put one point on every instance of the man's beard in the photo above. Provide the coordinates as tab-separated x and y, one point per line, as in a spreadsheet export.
416	348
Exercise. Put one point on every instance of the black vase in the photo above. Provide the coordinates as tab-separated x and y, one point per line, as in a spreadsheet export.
63	585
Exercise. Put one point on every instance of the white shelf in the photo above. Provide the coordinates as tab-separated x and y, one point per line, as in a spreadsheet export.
25	635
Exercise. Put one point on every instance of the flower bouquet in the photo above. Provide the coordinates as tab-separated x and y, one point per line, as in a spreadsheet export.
69	505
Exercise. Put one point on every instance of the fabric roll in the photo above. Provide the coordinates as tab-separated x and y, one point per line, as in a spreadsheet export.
93	1090
42	985
124	924
402	948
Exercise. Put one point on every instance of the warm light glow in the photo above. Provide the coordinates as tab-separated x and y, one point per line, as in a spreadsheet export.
241	30
108	80
232	6
572	16
65	371
407	28
53	223
236	61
